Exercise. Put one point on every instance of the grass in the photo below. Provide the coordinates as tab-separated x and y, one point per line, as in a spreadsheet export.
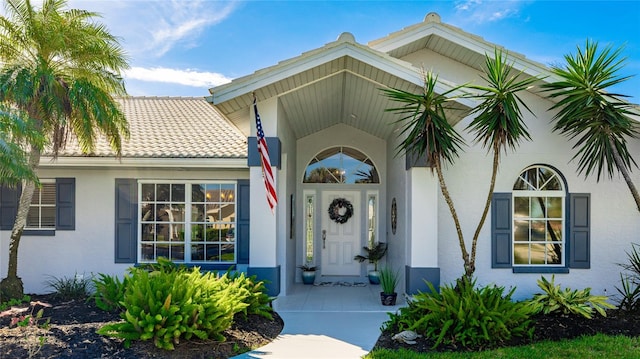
597	346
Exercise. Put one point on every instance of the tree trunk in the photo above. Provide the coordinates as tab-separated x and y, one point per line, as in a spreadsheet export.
625	173
12	286
468	272
496	161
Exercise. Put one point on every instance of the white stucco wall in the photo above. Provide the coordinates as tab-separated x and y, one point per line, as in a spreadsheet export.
90	248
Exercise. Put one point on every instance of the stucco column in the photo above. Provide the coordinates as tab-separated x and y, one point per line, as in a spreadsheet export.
422	243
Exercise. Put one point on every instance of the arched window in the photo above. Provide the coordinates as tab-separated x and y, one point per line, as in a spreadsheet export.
538	218
341	165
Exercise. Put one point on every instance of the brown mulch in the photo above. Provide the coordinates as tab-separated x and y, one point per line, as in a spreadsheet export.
547	327
71	333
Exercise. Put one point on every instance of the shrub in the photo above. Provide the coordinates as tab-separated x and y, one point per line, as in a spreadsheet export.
258	302
630	282
76	287
109	292
169	303
567	301
465	315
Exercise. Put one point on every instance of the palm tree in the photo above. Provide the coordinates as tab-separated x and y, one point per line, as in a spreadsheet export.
598	119
61	69
15	132
499	123
427	131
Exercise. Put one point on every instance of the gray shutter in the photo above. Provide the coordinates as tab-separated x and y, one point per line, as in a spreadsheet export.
501	230
126	203
579	230
65	203
8	206
242	222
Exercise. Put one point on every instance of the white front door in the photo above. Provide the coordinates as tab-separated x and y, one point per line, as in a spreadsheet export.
340	242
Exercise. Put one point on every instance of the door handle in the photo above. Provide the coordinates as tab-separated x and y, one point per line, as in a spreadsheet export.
324	238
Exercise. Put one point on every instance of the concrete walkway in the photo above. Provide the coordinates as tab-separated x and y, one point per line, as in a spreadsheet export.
326	322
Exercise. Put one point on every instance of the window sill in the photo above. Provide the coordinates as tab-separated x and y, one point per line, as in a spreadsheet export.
39	233
542	270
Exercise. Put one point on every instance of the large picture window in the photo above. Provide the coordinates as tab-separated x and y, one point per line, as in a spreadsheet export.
538	218
187	222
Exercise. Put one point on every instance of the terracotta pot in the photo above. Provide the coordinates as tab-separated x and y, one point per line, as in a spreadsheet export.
388	299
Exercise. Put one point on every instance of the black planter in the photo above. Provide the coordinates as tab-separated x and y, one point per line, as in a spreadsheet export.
388	299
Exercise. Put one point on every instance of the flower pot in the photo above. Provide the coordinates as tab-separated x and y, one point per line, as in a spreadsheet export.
308	277
374	277
388	299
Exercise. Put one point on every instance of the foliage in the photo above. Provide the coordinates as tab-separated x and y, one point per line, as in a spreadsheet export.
60	69
464	315
308	267
373	254
14	302
76	287
258	301
388	280
629	289
499	123
15	132
567	301
109	292
600	120
596	346
167	303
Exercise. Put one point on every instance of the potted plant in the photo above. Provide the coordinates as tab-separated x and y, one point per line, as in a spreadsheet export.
388	283
308	273
373	255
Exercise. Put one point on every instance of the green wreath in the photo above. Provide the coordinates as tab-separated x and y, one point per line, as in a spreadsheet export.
335	208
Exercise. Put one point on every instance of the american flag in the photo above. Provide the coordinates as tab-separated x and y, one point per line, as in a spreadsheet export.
267	172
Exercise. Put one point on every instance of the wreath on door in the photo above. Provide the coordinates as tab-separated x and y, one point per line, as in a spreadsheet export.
340	210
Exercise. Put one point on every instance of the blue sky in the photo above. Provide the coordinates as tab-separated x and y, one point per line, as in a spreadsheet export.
184	47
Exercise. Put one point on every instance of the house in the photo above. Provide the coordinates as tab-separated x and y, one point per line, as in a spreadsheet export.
189	185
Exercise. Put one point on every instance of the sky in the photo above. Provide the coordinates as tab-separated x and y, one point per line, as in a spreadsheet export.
185	47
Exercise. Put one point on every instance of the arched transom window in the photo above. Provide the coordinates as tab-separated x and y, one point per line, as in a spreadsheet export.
538	218
341	165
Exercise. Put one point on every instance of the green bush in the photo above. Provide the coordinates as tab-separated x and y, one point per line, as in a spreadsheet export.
629	289
76	287
166	303
109	292
258	302
464	315
567	301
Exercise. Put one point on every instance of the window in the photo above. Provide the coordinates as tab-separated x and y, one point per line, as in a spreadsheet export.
42	211
309	226
538	218
540	227
187	222
341	165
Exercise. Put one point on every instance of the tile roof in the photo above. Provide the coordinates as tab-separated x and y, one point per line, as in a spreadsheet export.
172	127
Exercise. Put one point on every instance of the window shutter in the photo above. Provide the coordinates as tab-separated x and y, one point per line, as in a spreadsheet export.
65	203
8	206
242	222
579	230
501	230
126	230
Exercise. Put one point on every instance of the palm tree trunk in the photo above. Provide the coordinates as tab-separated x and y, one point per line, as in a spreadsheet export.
468	271
625	173
487	205
12	285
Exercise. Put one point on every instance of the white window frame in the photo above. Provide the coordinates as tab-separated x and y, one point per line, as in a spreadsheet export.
534	194
37	193
187	219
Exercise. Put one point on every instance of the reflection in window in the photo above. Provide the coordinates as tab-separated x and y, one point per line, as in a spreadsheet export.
309	225
42	211
341	165
538	217
188	222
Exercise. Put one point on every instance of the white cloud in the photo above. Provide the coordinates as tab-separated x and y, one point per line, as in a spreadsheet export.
186	77
480	12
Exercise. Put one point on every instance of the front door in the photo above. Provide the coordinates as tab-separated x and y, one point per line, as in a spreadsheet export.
340	241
